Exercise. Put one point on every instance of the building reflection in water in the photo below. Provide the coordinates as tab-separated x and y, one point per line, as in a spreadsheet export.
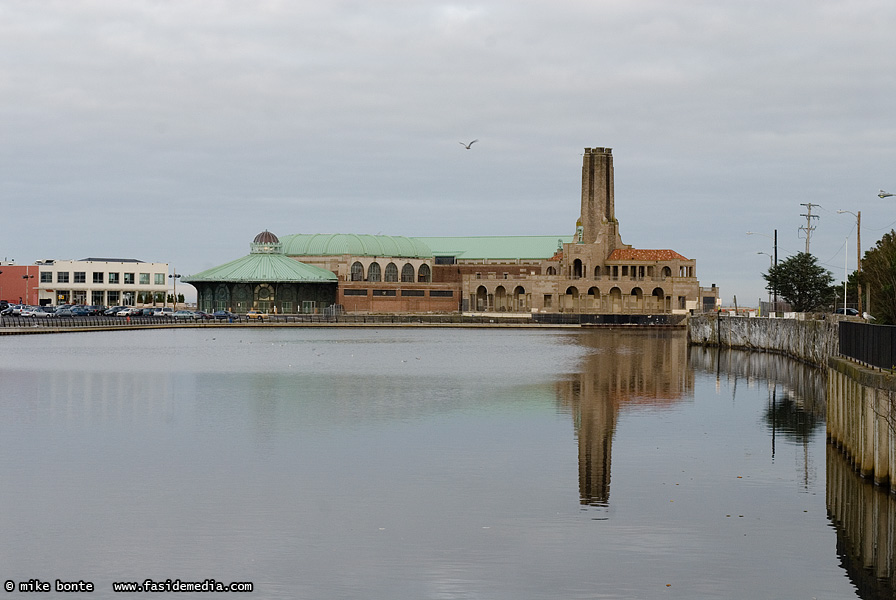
621	369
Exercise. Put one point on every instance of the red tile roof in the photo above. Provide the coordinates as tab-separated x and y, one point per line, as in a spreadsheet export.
635	254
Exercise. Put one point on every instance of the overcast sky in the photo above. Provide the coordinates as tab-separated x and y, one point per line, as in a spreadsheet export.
176	131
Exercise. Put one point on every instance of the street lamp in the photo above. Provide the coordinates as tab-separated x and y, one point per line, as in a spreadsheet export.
26	277
174	277
775	289
883	194
858	217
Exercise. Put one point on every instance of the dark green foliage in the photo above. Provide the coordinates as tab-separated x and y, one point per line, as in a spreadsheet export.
879	276
802	282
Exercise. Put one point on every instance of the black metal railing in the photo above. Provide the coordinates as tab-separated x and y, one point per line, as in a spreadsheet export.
102	321
873	345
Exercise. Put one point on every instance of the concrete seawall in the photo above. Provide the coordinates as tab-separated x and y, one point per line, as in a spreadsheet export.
811	341
861	418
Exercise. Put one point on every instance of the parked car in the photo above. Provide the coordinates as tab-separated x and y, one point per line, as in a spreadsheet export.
79	311
112	311
223	314
201	314
184	315
34	311
850	312
256	314
163	312
13	309
96	309
147	312
62	313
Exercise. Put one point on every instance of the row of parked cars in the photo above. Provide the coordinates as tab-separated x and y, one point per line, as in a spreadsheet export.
82	310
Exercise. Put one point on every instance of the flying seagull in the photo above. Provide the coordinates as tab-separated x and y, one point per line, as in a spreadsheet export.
467	146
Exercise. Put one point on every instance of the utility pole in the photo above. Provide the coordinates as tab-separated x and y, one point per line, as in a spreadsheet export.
809	227
776	264
859	259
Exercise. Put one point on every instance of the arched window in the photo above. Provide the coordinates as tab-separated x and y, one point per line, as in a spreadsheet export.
423	274
551	271
407	273
391	272
373	272
667	272
577	268
357	272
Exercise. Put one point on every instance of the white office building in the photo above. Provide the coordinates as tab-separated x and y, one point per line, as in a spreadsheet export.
102	281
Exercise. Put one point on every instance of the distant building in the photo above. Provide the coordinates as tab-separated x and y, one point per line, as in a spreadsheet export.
590	272
99	281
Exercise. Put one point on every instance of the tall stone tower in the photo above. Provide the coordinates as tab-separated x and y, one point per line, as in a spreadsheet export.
598	218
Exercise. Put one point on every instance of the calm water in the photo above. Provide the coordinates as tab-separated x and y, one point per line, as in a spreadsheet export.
407	464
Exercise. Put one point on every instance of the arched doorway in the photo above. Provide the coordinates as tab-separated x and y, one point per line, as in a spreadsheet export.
481	298
519	299
637	302
616	300
571	299
578	269
500	299
659	299
593	298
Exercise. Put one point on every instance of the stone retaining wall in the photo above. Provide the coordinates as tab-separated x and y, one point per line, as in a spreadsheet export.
812	341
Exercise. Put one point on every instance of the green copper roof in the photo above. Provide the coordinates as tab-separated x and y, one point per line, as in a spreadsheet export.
525	247
336	244
264	268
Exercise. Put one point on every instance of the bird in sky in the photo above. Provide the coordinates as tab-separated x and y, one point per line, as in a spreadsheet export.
467	146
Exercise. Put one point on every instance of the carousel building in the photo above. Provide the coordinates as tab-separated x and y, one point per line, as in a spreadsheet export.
265	280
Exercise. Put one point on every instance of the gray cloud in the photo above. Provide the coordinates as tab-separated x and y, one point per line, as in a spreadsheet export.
175	131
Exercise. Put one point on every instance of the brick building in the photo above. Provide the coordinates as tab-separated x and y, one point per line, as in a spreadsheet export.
590	272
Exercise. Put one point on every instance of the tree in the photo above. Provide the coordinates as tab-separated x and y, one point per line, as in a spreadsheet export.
802	282
879	278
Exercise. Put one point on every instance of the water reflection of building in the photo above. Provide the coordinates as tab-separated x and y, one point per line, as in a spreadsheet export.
864	516
622	369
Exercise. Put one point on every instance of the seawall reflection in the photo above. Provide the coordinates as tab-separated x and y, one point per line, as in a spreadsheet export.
864	516
621	369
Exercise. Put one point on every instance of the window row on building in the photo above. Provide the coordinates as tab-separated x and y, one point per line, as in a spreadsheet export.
376	273
102	277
